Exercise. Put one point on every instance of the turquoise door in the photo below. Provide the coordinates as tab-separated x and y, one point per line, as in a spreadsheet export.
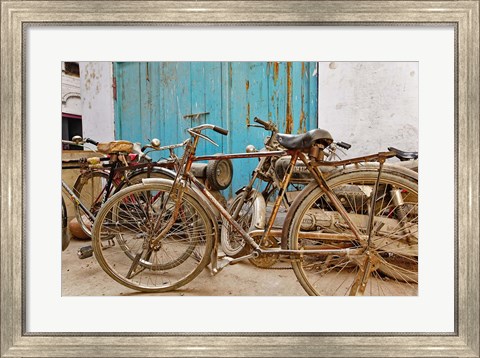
162	99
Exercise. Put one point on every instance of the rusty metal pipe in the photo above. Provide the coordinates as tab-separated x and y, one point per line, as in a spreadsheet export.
310	235
317	175
281	193
222	210
366	158
272	153
338	252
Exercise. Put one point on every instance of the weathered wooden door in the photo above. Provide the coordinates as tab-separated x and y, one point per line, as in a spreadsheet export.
162	99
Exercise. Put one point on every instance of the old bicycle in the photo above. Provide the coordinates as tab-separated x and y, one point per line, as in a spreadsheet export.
125	163
355	234
250	206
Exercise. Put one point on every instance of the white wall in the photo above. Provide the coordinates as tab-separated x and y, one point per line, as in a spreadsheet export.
371	105
71	99
97	100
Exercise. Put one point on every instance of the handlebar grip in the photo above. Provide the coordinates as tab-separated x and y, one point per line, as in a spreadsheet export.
344	145
91	141
263	123
220	130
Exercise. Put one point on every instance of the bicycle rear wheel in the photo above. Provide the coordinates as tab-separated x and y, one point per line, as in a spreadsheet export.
387	265
130	222
90	188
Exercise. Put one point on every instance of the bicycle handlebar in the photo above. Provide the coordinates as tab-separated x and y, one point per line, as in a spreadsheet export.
263	123
343	145
220	130
269	126
91	141
201	127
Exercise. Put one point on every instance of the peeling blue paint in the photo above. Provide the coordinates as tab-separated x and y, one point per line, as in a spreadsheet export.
154	97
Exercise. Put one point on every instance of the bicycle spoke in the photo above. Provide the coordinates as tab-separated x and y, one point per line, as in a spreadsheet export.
141	259
389	265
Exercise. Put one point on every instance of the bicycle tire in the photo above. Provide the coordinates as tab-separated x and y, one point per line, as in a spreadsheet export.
65	233
390	265
180	255
136	176
231	242
94	201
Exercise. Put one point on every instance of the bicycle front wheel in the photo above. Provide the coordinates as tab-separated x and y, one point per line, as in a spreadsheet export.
231	241
386	264
142	242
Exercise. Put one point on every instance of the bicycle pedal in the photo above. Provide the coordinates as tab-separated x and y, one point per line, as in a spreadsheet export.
85	252
221	263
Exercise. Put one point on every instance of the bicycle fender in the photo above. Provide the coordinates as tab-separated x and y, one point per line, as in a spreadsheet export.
387	168
80	177
167	172
259	208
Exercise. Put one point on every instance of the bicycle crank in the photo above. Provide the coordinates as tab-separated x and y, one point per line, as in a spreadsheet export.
266	260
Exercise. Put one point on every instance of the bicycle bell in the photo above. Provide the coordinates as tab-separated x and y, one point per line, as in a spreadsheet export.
155	142
251	149
77	139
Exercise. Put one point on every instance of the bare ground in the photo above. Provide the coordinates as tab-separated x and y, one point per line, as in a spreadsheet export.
86	278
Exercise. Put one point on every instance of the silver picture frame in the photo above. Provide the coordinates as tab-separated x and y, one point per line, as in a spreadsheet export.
17	15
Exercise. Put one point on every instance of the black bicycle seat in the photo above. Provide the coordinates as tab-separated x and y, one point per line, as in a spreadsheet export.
400	154
305	140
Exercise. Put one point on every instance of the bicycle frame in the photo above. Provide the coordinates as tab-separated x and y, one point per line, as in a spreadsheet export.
76	200
317	176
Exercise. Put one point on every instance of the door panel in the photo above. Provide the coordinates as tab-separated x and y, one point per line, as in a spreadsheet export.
158	99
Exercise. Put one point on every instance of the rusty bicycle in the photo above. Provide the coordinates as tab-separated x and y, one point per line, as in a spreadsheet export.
118	164
354	233
251	205
123	163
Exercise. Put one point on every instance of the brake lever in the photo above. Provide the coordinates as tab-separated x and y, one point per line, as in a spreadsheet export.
204	137
255	125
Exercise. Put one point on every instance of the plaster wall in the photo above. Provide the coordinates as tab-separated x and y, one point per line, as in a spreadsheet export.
371	105
97	100
71	101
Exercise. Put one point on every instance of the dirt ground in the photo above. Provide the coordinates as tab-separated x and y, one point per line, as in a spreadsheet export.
86	278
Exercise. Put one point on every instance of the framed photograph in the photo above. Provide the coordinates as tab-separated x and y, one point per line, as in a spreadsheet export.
434	47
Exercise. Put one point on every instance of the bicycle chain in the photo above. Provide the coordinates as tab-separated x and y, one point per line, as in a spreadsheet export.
275	268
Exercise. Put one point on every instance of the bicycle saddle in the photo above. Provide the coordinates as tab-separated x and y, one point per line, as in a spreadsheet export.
305	140
400	154
117	146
